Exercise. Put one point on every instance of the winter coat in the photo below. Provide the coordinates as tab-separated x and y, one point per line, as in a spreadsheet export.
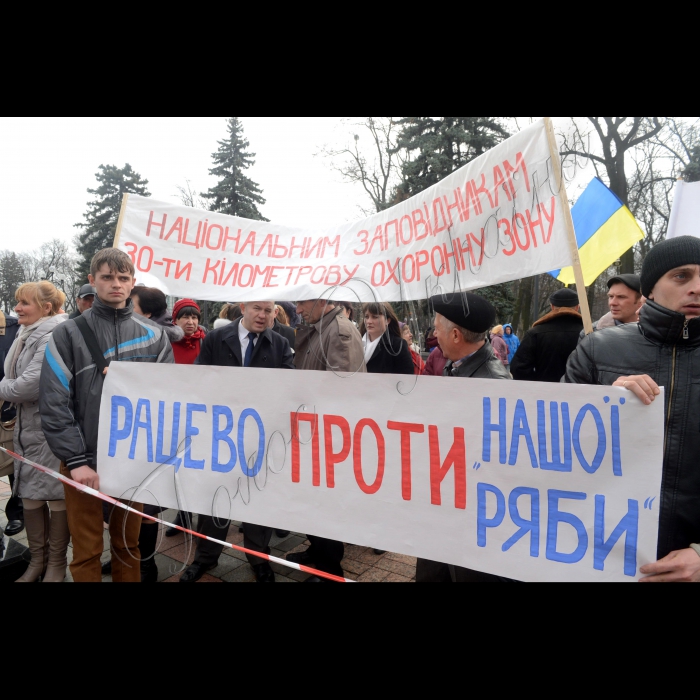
9	327
545	349
418	364
500	348
24	392
222	348
512	341
606	322
391	356
332	345
71	384
481	365
656	346
435	366
187	350
286	332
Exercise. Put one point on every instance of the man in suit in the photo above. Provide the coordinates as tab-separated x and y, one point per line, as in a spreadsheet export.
248	342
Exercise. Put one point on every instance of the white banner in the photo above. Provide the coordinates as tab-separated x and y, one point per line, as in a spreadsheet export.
685	216
535	482
496	220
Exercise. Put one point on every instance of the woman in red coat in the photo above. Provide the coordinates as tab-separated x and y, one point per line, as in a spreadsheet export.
187	315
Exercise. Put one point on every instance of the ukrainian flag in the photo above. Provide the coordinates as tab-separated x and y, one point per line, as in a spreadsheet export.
605	230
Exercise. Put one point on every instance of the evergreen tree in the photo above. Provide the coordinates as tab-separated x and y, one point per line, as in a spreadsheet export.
437	146
692	172
100	225
11	278
235	194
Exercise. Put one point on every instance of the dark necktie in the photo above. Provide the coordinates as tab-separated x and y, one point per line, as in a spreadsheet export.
252	337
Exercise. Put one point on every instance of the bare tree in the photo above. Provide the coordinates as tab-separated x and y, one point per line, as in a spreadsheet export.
371	159
190	198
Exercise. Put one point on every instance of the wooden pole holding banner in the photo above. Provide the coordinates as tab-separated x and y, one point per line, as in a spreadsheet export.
571	231
120	223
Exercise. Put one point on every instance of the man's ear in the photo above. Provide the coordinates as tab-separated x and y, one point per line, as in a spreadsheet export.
91	280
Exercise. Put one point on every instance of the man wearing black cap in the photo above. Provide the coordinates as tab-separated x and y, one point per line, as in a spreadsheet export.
85	300
546	348
462	323
662	350
624	299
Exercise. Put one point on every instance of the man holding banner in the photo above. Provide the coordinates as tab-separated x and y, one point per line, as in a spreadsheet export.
330	343
249	342
72	378
461	327
663	350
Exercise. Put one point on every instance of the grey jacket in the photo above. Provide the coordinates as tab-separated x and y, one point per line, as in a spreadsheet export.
71	384
482	365
24	393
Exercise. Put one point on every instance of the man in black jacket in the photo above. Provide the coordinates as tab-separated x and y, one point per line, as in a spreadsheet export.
663	350
461	327
546	348
14	511
248	342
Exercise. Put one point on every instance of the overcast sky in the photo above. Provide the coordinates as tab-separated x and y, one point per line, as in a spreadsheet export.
48	163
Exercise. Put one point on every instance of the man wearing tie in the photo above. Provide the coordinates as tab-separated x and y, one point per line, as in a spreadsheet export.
248	342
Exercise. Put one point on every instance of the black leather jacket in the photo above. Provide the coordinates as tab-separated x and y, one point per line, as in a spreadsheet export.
667	348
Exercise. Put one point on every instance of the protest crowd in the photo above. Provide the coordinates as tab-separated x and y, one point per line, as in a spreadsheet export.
54	368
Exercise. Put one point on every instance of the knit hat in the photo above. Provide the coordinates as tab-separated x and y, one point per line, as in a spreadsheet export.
183	304
564	299
667	256
468	311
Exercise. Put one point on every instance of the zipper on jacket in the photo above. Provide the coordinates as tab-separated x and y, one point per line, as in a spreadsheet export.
116	336
686	332
670	396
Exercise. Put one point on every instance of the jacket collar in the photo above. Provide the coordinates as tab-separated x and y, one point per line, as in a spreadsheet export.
665	327
328	318
471	366
101	310
562	313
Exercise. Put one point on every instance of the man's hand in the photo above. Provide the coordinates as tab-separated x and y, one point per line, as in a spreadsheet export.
88	477
642	386
678	567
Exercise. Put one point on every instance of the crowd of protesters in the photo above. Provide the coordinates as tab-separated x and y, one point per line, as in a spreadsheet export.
52	370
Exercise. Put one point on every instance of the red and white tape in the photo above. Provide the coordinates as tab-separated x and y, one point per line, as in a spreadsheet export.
118	504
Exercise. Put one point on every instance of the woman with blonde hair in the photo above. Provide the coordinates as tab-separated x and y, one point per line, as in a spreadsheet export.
38	310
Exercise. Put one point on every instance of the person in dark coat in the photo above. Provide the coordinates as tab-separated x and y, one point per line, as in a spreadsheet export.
249	342
282	328
462	332
85	300
662	350
386	352
9	327
545	349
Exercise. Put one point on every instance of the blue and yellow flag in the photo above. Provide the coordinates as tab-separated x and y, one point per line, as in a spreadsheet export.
605	230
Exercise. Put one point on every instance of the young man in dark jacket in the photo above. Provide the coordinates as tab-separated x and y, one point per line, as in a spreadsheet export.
14	511
545	349
248	342
662	350
71	392
461	327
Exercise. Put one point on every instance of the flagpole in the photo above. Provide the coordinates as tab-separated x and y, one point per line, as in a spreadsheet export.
571	231
120	223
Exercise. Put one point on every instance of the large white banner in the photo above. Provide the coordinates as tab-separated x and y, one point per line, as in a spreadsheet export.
685	216
498	219
534	482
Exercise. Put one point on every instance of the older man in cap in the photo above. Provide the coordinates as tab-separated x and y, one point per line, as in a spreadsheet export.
462	326
546	348
663	350
85	300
